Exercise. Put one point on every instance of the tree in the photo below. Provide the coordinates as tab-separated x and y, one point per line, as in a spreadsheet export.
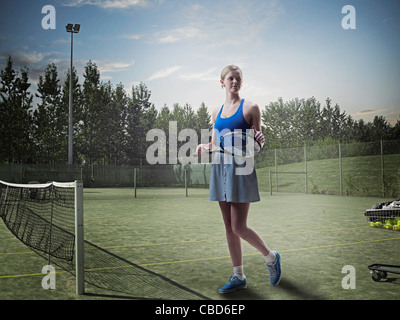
50	119
361	131
203	121
15	115
332	122
135	127
296	122
396	131
308	119
89	141
380	129
116	130
163	118
279	120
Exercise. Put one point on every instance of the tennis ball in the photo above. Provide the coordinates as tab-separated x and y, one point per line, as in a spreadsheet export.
398	222
372	224
389	222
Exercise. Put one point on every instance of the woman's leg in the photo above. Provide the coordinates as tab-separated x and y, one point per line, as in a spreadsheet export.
233	240
235	220
238	215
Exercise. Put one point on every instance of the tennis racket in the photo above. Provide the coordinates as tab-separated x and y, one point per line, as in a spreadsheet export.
237	143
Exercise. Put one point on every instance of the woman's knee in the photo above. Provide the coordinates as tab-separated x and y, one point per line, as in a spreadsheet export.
239	230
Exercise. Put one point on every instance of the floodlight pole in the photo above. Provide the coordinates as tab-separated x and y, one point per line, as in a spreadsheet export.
71	30
70	161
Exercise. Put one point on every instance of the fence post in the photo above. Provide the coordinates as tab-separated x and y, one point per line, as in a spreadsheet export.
186	183
134	181
270	182
276	171
383	171
340	169
398	183
305	168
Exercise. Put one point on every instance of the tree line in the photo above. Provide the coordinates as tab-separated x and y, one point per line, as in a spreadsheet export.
110	124
302	122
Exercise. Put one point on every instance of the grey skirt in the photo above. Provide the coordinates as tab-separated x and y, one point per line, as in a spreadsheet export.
233	179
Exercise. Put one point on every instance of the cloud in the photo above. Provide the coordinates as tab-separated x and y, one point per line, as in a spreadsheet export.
123	4
365	112
390	113
132	36
240	23
107	4
209	75
216	23
28	58
36	62
113	66
164	73
179	34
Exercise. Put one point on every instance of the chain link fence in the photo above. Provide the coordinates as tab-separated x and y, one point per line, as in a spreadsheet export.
365	169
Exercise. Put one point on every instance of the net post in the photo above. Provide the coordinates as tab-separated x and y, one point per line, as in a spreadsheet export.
51	219
79	243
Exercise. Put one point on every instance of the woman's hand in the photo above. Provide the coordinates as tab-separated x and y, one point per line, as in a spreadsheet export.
203	150
258	136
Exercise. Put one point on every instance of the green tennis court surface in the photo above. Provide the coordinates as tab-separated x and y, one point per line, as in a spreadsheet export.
183	240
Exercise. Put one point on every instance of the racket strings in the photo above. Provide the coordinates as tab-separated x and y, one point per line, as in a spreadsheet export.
240	144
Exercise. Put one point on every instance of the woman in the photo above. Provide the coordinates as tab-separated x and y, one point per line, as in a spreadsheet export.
233	191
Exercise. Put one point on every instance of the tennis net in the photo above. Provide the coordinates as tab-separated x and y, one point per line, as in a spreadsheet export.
48	218
42	216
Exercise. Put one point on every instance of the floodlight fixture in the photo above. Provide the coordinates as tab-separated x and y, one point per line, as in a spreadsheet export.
73	28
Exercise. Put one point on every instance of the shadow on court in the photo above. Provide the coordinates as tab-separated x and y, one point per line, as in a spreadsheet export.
247	294
392	280
289	288
108	271
297	292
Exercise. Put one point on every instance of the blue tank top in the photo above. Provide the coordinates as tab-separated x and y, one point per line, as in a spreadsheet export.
235	122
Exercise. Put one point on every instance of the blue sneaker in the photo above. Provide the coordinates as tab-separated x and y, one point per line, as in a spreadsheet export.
274	270
233	284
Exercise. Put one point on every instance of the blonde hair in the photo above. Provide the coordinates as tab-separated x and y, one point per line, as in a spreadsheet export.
228	69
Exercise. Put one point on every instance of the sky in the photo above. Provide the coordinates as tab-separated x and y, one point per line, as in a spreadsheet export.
286	48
